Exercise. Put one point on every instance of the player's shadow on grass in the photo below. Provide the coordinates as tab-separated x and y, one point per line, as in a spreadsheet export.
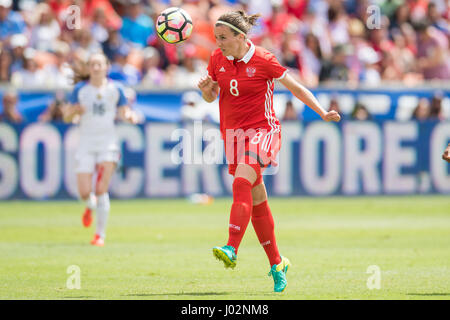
428	294
178	294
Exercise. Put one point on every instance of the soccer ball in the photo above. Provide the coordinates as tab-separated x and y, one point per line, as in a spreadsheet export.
174	25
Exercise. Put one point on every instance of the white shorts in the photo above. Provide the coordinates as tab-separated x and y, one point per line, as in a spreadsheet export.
87	160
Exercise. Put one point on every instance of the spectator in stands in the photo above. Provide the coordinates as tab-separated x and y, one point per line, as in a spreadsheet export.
137	27
401	16
319	8
60	73
30	76
99	26
296	7
357	43
192	108
276	24
436	20
18	44
219	7
153	75
398	63
357	8
370	74
113	44
360	112
311	57
55	109
203	37
334	105
436	112
262	7
379	38
291	48
58	8
11	22
188	74
83	39
417	9
433	57
123	71
442	7
422	111
410	36
337	24
315	21
389	8
312	54
89	7
168	53
335	69
10	113
5	64
47	30
290	114
391	68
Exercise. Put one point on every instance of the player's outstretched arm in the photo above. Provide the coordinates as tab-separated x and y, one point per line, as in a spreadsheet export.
308	98
209	88
126	114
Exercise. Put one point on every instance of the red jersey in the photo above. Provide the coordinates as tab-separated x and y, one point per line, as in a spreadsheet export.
246	89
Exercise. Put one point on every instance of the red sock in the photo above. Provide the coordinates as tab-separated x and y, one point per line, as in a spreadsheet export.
240	211
264	226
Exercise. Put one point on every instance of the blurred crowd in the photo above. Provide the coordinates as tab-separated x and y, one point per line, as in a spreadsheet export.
355	41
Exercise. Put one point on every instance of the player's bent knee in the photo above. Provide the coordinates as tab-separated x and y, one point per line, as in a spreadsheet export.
259	194
257	200
247	172
84	194
258	181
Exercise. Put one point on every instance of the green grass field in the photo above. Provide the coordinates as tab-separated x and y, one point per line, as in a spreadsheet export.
161	249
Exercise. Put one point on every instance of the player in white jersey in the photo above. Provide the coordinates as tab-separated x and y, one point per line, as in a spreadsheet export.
97	101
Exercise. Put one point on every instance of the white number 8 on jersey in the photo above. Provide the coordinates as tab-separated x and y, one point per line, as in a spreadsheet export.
233	87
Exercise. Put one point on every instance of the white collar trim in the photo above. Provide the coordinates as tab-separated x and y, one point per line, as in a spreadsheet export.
246	58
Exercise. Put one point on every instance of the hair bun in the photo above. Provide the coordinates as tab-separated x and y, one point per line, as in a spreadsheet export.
240	20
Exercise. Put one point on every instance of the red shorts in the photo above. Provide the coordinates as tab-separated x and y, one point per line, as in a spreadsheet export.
256	148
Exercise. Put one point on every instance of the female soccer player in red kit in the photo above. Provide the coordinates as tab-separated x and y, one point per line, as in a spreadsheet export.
245	74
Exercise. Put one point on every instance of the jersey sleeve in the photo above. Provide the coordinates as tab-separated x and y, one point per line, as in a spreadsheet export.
211	68
274	69
74	96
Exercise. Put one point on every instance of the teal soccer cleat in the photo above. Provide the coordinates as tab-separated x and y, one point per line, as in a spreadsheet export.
227	255
278	272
